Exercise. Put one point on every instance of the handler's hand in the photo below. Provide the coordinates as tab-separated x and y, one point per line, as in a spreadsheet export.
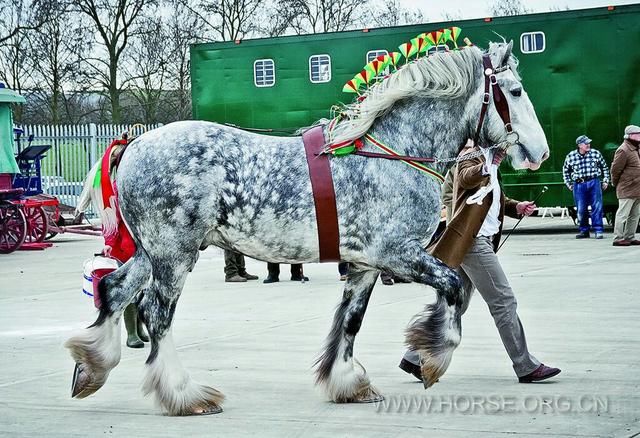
525	208
106	251
604	186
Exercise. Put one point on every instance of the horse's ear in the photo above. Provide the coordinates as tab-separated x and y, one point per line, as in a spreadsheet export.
507	53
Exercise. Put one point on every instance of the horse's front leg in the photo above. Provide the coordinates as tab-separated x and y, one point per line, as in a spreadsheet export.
174	390
343	377
436	331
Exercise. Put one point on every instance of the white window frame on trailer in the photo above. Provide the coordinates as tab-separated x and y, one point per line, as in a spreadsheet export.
255	75
440	48
379	52
311	71
532	38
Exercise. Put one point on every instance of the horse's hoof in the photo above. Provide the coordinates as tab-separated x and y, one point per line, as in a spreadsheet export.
84	383
430	376
371	395
367	395
211	410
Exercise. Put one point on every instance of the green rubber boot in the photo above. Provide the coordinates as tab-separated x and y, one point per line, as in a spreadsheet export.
131	323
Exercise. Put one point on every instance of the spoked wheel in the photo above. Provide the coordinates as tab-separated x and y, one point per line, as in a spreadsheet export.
13	228
36	224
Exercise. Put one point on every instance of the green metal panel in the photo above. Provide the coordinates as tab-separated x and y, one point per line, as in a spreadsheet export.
585	81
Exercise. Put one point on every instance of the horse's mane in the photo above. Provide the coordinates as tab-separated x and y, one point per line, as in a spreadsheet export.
440	76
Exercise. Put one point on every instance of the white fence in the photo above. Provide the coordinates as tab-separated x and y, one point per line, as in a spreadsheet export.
74	149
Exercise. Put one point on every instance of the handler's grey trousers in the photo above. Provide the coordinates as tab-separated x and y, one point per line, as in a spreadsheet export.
481	268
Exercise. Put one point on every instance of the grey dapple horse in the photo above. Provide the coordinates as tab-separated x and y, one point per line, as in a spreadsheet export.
189	185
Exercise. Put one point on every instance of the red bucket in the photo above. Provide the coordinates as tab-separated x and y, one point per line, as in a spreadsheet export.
96	276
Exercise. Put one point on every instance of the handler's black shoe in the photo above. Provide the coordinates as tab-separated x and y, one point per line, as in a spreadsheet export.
270	279
582	235
543	372
410	368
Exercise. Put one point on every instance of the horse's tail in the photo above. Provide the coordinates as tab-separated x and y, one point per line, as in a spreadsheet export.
435	333
91	193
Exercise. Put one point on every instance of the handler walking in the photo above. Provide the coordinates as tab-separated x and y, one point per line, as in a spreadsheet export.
582	170
469	243
625	176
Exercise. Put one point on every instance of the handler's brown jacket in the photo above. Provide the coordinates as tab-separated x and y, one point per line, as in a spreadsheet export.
467	219
625	171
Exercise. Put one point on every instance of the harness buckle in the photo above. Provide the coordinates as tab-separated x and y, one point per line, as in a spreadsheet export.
512	133
508	127
493	80
486	99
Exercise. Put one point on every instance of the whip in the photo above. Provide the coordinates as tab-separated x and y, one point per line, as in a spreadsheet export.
544	189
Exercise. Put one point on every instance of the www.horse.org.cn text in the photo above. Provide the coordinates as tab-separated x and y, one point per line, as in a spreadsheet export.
494	404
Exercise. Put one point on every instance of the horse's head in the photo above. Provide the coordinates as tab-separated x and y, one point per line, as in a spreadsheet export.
530	146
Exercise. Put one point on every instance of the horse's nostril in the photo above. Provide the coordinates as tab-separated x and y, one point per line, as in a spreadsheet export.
545	156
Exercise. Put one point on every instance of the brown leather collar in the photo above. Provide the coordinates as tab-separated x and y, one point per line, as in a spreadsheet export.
324	196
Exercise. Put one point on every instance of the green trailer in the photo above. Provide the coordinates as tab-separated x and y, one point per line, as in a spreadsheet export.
581	69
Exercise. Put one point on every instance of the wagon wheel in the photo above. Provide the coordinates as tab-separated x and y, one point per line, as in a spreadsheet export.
59	223
36	224
13	228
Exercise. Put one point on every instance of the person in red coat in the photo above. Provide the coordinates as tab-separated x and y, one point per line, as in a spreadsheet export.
118	241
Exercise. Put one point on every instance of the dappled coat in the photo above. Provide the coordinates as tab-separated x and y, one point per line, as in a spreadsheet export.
625	171
467	219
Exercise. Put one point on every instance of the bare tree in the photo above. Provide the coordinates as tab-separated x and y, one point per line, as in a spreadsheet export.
500	8
147	67
183	28
19	16
452	15
56	50
115	22
557	8
392	13
228	20
316	16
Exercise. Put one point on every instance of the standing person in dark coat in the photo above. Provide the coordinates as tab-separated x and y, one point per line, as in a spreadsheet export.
625	176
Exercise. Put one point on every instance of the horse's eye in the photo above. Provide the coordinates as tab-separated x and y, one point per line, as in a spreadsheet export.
516	91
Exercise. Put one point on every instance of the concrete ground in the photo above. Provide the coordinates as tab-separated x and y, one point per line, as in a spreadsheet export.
579	302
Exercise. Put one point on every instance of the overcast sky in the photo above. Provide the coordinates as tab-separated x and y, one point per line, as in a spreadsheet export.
434	10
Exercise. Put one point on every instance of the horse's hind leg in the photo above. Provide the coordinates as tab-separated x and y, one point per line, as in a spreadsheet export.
96	350
342	377
173	388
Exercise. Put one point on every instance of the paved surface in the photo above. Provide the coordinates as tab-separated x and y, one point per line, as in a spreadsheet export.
579	302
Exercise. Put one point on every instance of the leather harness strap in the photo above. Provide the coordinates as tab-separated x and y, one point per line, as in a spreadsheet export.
499	99
324	195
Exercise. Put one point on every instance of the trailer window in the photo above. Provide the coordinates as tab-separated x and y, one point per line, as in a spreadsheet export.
373	54
264	73
440	48
532	42
319	69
